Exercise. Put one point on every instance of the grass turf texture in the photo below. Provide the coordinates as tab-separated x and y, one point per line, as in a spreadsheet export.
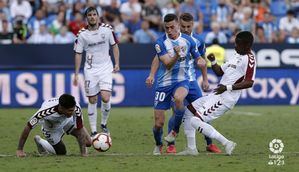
251	127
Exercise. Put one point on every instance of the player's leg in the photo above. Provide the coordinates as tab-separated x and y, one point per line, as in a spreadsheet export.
48	145
105	108
106	88
159	116
92	113
180	94
43	146
60	148
171	145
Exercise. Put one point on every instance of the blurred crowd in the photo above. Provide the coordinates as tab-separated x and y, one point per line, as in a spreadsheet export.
140	21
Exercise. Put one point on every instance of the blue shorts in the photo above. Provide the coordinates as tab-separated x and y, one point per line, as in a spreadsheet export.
163	95
194	92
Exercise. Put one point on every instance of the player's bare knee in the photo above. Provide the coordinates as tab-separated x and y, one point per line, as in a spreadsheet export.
105	99
93	99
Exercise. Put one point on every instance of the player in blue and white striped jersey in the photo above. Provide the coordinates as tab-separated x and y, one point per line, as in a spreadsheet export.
173	50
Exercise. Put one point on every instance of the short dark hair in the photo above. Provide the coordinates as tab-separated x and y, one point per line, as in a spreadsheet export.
67	101
246	37
186	17
89	9
170	17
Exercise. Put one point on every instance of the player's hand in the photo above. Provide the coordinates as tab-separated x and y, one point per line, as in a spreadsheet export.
201	63
116	68
149	81
177	49
20	153
75	81
205	86
220	89
211	57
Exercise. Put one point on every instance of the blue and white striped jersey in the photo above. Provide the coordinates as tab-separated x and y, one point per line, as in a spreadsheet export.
179	72
201	49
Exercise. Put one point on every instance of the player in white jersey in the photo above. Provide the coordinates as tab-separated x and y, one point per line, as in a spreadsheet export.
57	117
96	40
238	73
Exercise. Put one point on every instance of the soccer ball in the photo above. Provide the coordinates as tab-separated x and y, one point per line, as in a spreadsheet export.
101	142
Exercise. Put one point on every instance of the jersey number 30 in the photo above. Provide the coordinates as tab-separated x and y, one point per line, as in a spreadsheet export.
160	96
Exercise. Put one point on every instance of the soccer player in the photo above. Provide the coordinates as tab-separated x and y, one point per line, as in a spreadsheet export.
96	40
238	73
173	51
57	117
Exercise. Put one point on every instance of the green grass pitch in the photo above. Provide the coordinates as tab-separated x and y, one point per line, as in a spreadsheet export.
251	127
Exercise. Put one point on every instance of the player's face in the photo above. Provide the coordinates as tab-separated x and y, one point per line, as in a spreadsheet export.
68	112
186	27
92	18
240	47
172	29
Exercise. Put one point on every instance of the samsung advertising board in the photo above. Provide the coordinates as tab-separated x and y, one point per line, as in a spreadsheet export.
29	88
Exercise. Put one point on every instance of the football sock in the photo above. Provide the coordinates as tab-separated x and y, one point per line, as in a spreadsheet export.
179	113
208	130
105	108
208	140
92	116
158	132
170	127
190	133
47	146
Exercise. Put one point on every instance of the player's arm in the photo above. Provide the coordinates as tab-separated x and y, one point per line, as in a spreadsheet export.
78	48
168	61
154	67
202	65
216	68
115	50
22	140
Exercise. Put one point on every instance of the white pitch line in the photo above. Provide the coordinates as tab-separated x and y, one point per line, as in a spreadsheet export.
246	113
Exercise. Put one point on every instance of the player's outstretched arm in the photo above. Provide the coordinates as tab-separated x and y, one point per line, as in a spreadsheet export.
78	59
170	61
83	139
22	140
115	50
216	68
154	68
239	86
202	65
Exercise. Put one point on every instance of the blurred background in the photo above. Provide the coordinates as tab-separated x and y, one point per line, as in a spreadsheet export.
37	60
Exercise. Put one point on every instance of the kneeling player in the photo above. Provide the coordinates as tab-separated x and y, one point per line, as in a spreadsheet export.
237	73
57	116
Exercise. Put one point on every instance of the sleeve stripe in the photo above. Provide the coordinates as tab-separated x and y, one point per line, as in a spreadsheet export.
115	39
250	67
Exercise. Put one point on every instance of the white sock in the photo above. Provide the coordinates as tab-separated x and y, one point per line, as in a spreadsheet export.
208	130
92	116
190	133
105	108
47	146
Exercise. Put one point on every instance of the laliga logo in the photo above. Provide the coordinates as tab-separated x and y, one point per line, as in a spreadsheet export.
276	146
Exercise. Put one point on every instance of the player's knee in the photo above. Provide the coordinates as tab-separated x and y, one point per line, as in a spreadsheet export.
105	99
88	142
93	99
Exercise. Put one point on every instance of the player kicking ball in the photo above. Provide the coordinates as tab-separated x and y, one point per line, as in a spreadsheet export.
237	73
57	117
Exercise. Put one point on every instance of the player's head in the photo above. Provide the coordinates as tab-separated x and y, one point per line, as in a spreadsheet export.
243	42
92	16
171	26
67	104
186	23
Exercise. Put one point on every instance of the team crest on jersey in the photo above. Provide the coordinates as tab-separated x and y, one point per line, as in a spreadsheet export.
158	49
103	36
33	121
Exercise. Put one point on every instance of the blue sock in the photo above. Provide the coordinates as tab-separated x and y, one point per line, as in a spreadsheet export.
208	140
179	113
170	127
158	135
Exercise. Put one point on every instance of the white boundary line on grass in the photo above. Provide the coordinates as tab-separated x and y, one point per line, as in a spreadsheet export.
246	113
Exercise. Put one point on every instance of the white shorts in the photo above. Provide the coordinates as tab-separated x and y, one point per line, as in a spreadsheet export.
208	107
94	83
54	136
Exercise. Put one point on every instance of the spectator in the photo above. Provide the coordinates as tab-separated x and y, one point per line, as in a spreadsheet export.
259	11
169	8
134	23
221	14
189	7
20	32
4	9
57	23
125	37
107	3
21	8
111	12
64	36
41	37
294	37
260	35
145	34
77	24
247	23
128	9
270	28
35	22
215	33
5	36
217	50
287	24
77	7
152	13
